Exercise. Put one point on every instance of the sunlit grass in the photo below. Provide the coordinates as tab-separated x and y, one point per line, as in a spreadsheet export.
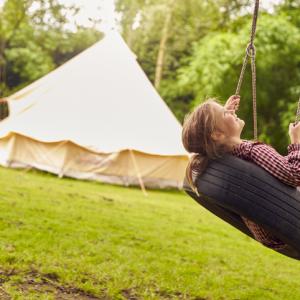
94	240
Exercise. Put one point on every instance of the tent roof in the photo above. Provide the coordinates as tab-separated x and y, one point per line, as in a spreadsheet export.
100	100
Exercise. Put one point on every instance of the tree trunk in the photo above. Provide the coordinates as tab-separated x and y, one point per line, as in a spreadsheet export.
162	47
2	69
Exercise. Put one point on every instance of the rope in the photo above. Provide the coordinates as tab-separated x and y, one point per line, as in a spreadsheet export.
254	21
253	69
251	52
237	92
298	113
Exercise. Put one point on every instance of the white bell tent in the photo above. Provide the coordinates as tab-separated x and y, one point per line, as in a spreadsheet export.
96	117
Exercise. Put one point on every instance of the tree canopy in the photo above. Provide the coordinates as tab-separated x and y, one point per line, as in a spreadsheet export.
214	67
34	40
204	53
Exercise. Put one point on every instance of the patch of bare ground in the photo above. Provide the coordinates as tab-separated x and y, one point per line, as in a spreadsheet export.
4	295
49	284
60	292
45	284
177	295
130	294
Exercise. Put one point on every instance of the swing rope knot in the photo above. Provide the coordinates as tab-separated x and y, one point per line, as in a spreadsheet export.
297	114
251	50
251	53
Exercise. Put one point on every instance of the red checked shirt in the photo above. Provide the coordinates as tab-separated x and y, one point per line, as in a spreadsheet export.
285	168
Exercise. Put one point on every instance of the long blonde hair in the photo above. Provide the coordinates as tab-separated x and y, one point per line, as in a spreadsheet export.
197	132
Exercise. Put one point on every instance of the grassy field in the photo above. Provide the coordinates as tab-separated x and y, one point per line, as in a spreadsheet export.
68	239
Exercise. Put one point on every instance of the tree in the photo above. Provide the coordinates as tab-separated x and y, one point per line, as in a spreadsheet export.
214	67
12	17
34	40
291	9
129	10
165	35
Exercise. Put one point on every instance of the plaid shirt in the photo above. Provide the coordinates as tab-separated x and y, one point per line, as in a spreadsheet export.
285	168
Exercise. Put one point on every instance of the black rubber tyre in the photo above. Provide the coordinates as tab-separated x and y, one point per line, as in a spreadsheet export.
231	187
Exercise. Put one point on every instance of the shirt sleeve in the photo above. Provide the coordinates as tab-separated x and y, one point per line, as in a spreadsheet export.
285	168
264	236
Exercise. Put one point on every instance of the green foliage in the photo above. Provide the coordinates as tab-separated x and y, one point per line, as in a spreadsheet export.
34	40
291	9
204	53
191	21
72	43
28	63
214	67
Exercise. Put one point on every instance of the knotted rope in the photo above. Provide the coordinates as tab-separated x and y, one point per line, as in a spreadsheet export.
251	52
298	113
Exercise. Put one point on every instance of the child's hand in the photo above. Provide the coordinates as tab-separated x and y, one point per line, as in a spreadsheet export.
294	132
233	103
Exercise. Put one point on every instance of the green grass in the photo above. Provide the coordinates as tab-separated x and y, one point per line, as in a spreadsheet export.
68	239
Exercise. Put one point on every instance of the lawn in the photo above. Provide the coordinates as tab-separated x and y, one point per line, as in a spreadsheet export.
69	239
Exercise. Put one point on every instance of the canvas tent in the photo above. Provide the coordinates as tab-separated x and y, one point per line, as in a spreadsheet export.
95	117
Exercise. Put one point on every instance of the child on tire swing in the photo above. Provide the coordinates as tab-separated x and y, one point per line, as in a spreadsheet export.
212	130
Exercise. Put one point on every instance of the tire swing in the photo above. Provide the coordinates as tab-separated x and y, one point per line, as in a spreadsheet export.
231	187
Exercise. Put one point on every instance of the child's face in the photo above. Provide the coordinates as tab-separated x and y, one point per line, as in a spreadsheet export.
228	122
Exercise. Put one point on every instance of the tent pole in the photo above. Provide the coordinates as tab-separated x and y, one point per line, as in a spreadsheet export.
138	173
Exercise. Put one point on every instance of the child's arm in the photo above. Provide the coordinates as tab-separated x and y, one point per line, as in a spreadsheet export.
294	133
285	168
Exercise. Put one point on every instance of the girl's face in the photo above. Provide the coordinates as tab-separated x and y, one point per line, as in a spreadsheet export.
228	123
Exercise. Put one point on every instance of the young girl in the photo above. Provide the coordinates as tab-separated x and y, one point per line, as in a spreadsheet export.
212	130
